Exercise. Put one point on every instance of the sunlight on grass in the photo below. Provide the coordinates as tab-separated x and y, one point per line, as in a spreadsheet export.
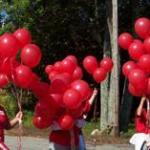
89	127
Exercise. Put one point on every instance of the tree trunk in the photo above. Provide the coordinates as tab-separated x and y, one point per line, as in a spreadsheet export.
105	86
113	104
110	87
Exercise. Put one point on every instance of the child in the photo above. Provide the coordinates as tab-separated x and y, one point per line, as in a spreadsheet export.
6	124
61	139
141	139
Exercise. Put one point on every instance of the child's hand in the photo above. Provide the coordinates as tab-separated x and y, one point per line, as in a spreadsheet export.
95	91
143	98
19	116
148	144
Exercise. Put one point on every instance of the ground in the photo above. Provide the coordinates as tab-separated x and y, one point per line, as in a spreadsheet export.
34	139
34	143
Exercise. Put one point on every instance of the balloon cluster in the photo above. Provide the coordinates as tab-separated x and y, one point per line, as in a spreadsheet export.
13	46
66	98
98	71
137	70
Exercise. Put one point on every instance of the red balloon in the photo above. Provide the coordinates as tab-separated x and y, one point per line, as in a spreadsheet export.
58	99
6	66
136	50
31	55
41	122
86	106
35	78
52	74
9	45
89	94
77	113
66	122
72	99
3	80
137	41
147	45
128	67
134	91
72	58
99	75
82	87
60	83
58	66
48	69
40	89
68	66
60	111
125	40
142	27
137	76
77	73
144	63
148	88
106	63
23	35
142	86
43	109
51	102
90	64
23	76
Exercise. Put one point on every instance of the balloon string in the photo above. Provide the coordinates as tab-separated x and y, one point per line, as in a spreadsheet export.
18	98
20	128
20	122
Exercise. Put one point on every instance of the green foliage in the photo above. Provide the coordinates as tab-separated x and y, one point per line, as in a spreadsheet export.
27	119
7	28
130	132
8	102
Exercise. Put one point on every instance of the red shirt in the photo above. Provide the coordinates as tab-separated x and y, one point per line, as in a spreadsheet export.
4	122
141	123
63	137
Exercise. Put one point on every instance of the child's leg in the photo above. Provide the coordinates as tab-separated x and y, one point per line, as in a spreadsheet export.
82	145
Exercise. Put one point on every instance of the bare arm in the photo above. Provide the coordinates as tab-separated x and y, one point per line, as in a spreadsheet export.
16	120
93	96
90	101
140	107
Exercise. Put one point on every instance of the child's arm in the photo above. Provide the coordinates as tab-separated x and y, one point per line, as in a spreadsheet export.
93	96
89	103
16	120
140	107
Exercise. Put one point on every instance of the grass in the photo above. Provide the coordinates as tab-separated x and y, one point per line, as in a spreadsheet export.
89	127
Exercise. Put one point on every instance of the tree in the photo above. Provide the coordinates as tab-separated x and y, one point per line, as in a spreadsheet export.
110	88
